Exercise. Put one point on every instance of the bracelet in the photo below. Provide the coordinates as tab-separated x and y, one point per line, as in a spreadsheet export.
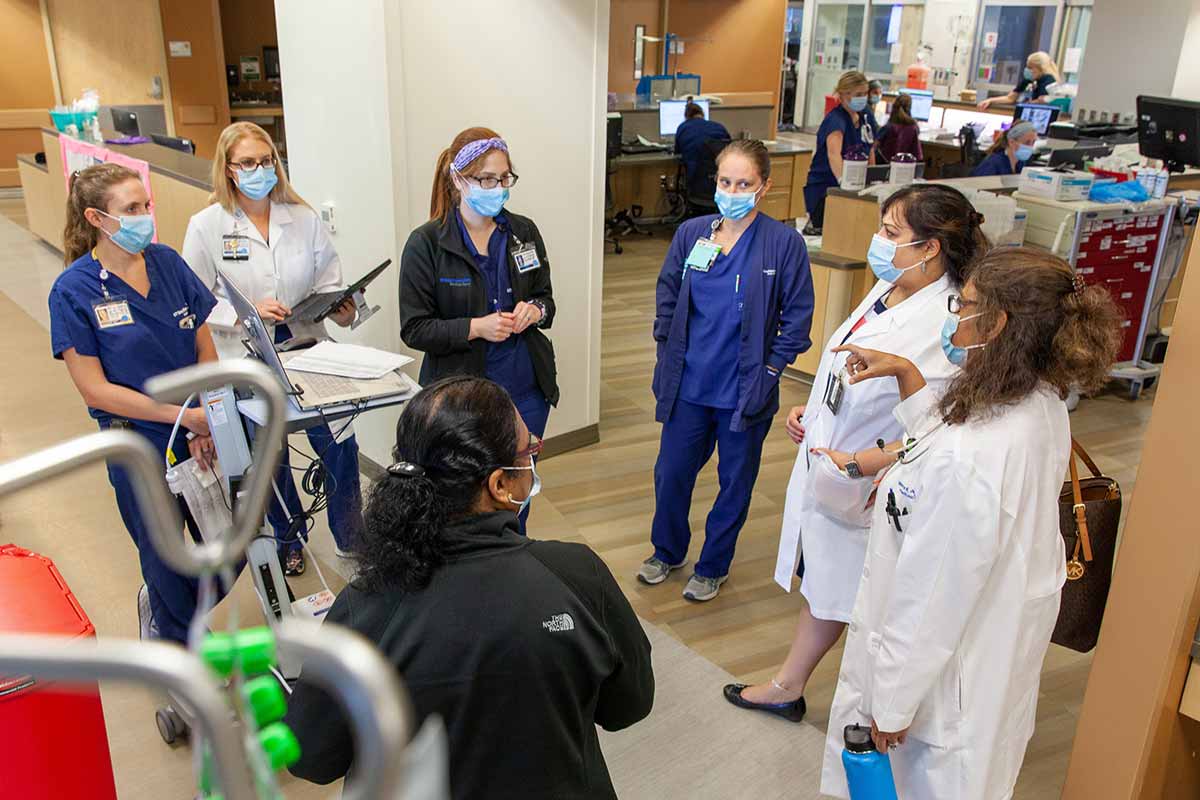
540	307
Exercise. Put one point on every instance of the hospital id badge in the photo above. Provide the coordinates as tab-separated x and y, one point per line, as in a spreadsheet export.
526	258
835	391
112	312
704	253
235	248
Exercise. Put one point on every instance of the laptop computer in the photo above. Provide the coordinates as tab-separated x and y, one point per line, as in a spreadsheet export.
307	390
316	307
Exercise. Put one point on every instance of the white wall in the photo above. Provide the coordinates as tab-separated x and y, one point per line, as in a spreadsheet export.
1187	76
949	23
375	89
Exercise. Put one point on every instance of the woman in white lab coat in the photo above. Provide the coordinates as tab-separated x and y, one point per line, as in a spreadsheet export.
260	234
929	237
965	562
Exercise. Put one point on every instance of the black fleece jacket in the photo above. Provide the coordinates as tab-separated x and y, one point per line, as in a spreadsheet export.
522	646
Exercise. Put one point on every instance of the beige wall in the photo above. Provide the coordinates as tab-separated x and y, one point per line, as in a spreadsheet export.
199	96
114	48
26	84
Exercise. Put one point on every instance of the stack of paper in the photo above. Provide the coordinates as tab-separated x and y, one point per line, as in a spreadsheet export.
347	360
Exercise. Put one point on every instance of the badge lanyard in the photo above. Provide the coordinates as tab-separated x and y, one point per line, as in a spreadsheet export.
111	312
704	252
235	246
524	255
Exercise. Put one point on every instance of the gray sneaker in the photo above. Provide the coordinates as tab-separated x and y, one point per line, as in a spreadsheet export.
147	627
655	570
700	588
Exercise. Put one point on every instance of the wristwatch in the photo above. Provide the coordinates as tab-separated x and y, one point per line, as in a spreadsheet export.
852	468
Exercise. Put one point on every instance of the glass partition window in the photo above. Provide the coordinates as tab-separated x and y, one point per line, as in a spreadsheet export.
893	36
1076	22
837	39
1007	35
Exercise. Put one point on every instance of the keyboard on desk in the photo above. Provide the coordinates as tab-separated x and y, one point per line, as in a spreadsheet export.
326	385
639	149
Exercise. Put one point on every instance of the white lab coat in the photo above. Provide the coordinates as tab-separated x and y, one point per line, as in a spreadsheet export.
834	548
298	261
954	613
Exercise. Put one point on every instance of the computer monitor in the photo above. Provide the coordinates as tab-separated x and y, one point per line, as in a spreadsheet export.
1077	157
922	103
175	143
670	114
1040	114
125	122
1169	129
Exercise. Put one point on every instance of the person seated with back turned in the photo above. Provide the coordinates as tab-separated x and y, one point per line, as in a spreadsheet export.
693	135
901	134
522	647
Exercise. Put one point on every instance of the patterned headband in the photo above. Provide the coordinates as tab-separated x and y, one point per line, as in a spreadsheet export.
473	150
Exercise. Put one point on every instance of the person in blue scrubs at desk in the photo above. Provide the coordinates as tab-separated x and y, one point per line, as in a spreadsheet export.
1011	150
847	130
735	303
122	312
475	292
693	136
1034	87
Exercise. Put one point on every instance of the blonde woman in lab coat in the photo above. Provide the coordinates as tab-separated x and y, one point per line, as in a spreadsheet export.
965	562
929	237
260	234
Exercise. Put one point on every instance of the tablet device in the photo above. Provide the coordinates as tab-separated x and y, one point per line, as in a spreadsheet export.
316	307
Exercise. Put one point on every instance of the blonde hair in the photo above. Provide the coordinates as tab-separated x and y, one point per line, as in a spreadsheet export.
225	188
90	188
850	81
1042	60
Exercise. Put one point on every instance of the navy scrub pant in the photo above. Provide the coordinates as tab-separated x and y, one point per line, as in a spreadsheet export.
534	409
343	489
689	437
814	203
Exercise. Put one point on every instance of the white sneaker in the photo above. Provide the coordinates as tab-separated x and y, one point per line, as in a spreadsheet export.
655	570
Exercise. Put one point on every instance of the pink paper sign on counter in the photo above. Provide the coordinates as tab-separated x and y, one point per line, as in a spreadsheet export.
78	154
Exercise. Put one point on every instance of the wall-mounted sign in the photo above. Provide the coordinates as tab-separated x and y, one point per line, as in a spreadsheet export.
180	49
251	68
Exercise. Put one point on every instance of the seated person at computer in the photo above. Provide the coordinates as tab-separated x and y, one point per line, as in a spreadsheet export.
1010	151
846	131
269	243
1034	87
694	134
901	134
522	647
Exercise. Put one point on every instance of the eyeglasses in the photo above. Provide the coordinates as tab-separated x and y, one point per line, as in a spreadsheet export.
534	448
249	164
491	182
955	304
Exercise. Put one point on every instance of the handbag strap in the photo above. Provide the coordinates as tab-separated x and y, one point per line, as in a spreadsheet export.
1077	448
1080	509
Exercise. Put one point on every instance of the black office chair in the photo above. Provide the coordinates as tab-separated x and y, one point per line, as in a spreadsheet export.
702	182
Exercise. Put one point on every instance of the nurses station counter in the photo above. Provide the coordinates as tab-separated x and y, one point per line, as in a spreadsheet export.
180	184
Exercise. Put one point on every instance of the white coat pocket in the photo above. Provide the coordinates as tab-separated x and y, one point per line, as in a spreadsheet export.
838	496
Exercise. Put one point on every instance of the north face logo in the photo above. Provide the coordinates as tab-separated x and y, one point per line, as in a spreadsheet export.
559	623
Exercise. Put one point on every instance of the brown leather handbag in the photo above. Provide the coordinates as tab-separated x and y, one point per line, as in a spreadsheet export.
1089	514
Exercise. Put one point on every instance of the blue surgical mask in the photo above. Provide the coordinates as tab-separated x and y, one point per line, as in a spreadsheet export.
882	253
135	234
734	205
257	183
1028	73
534	490
1024	152
486	202
858	103
957	355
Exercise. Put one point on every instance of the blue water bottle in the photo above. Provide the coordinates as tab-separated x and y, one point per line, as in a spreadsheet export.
868	771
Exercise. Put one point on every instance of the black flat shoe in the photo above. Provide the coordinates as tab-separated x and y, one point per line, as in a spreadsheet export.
792	712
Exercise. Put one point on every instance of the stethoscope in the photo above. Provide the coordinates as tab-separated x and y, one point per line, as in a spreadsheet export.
903	453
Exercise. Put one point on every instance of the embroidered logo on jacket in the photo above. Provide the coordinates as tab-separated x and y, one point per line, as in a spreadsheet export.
457	281
559	623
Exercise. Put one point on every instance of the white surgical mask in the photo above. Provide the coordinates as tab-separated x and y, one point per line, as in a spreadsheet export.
534	490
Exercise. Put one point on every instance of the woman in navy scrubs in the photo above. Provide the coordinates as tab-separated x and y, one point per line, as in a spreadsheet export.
122	312
735	302
847	129
475	293
1010	151
1034	87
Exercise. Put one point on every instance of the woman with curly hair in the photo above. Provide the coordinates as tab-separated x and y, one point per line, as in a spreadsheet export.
522	647
965	563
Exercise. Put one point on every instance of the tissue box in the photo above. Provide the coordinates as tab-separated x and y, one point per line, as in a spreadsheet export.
1055	185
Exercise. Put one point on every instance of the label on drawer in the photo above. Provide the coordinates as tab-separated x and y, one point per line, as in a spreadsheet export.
1106	243
1126	295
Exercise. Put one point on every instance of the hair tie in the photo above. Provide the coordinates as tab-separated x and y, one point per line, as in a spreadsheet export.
1078	284
977	219
473	150
404	469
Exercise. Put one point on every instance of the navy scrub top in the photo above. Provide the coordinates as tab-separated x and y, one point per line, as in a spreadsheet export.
1028	89
161	338
508	363
996	164
860	137
710	363
691	138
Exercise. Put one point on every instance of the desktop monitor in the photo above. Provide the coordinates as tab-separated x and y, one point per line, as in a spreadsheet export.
175	143
670	114
1040	114
922	103
1169	129
125	122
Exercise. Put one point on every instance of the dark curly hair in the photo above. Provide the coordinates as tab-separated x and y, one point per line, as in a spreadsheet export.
1066	336
934	211
459	431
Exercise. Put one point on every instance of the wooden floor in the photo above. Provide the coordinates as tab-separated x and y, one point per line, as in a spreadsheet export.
605	496
602	495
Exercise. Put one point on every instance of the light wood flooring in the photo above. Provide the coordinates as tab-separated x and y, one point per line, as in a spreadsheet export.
602	495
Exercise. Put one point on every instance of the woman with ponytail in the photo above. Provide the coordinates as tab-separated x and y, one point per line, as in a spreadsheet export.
522	647
123	311
965	562
475	294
